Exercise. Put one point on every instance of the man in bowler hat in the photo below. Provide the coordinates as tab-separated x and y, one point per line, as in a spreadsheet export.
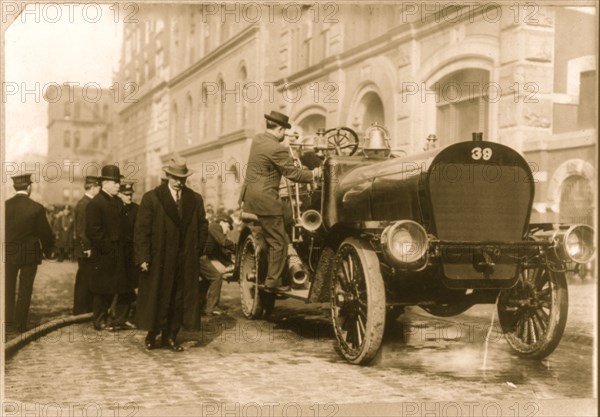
82	297
169	237
268	161
28	234
107	262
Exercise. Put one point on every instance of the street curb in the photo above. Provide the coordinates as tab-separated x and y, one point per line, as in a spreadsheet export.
11	347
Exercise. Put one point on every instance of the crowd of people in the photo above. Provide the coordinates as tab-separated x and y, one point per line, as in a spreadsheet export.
100	233
156	266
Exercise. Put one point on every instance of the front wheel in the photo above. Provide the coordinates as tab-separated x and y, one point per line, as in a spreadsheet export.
357	302
250	295
533	313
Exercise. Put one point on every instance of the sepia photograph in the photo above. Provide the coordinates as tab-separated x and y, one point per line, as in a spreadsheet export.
299	208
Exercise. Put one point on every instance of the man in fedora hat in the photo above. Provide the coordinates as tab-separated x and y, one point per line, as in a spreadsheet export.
169	237
107	241
82	297
27	235
268	161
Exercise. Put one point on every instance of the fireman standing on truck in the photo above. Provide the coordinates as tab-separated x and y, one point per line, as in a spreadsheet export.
268	161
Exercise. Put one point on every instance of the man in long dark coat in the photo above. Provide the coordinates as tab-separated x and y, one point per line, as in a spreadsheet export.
108	261
26	227
82	297
268	161
169	237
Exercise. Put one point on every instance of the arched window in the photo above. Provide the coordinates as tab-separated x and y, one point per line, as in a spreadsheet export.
241	108
462	106
220	106
76	140
576	201
310	124
370	110
188	121
67	139
174	122
204	113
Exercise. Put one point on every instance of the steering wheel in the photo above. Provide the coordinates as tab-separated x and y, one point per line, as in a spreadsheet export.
343	140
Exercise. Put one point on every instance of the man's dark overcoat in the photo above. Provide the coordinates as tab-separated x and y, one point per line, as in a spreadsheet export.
128	222
103	227
82	243
268	161
159	237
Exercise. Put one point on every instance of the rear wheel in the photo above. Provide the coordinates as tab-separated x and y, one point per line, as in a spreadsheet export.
250	295
357	302
533	313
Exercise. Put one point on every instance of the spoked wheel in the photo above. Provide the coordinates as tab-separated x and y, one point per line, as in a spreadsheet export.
533	313
357	302
250	294
343	140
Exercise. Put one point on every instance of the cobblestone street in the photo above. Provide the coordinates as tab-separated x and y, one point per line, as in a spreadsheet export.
290	359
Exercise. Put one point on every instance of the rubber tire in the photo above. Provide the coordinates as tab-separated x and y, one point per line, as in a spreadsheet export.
555	323
375	302
250	296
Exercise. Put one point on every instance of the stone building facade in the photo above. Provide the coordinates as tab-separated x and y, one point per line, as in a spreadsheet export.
80	126
525	76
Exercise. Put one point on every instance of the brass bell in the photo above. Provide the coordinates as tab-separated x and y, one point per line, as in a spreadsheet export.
377	141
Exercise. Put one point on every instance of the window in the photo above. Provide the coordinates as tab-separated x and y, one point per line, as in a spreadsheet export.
462	106
104	141
241	109
96	111
586	113
105	112
67	139
220	106
174	122
370	110
77	111
95	140
577	201
67	110
204	113
188	120
206	38
77	140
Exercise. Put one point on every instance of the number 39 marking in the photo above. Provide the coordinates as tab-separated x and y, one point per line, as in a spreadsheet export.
478	153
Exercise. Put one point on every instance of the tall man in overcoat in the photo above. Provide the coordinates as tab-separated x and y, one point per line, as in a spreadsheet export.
268	161
169	237
108	263
82	297
28	234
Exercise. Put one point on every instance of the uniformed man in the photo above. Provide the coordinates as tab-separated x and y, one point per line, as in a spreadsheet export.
267	162
28	234
124	301
82	302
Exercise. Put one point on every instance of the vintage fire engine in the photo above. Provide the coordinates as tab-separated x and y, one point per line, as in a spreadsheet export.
443	230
